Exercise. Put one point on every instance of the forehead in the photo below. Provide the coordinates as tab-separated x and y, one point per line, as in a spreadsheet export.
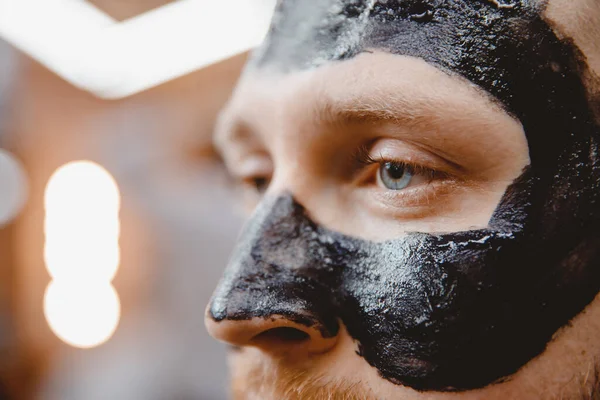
508	48
306	34
361	90
492	43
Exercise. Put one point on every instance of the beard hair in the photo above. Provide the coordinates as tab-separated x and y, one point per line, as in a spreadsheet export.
257	377
264	378
589	385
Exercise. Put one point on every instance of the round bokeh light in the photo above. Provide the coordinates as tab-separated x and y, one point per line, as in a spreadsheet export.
83	189
83	316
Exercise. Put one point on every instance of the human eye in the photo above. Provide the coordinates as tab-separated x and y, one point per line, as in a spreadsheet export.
256	183
398	175
252	176
402	176
398	167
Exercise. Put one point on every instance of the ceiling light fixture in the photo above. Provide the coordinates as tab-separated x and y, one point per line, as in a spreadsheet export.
114	59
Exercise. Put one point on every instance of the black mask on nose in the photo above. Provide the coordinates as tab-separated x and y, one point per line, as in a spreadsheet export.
440	312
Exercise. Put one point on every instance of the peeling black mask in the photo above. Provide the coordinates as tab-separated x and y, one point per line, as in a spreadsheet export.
440	312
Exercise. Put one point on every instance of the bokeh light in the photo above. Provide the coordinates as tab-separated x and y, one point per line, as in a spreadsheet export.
82	253
82	316
86	258
13	186
82	223
83	189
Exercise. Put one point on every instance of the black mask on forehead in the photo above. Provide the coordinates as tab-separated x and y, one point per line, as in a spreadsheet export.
440	312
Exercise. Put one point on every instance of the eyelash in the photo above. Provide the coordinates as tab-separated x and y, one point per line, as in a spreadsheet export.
363	157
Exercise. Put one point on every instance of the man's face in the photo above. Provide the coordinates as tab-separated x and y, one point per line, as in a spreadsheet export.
426	184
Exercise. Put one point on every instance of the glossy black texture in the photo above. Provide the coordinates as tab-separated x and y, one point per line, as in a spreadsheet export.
441	312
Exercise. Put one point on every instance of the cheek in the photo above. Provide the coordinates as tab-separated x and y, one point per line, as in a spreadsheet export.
445	312
378	214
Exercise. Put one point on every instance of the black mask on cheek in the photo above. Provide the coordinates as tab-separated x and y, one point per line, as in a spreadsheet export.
440	312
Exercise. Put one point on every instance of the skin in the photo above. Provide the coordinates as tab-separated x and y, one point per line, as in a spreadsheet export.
300	128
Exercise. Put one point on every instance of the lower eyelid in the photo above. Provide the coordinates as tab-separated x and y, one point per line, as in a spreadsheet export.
407	195
414	200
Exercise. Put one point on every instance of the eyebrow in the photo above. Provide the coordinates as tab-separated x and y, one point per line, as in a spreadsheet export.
425	115
364	112
240	132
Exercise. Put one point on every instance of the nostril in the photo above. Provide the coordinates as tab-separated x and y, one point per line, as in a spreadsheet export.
282	335
276	335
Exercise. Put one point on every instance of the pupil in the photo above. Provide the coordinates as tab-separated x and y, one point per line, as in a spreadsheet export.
395	171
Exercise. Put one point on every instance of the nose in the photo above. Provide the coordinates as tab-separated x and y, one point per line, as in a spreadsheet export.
276	291
277	335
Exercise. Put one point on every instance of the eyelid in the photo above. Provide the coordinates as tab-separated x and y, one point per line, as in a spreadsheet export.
252	166
417	159
397	150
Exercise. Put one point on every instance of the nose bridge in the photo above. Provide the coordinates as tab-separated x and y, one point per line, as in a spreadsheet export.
276	271
293	173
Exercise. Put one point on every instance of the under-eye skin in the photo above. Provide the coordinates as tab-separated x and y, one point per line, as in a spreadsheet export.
250	190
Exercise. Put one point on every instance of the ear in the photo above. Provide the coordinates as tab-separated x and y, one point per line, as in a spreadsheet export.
580	21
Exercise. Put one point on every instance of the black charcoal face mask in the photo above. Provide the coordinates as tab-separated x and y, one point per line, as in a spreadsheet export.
453	311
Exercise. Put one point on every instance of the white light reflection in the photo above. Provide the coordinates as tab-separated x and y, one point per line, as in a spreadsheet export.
82	253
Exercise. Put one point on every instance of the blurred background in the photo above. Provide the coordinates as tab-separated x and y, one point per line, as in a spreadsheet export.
116	216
